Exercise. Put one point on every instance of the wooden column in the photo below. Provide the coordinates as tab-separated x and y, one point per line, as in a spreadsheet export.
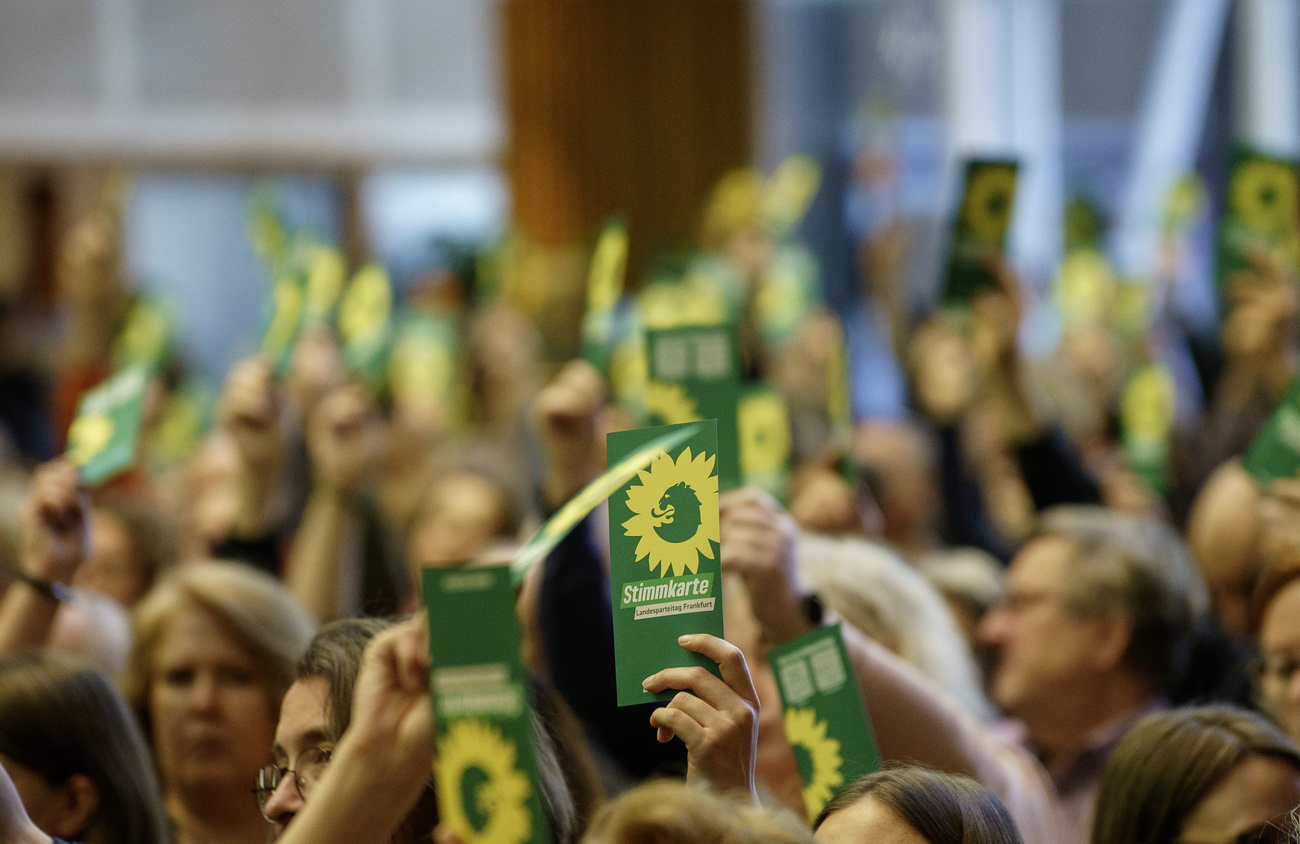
629	107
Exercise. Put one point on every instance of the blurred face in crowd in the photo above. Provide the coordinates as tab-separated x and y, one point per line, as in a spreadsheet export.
868	821
212	718
1224	532
463	515
112	568
1278	681
1044	649
1251	803
1261	307
303	743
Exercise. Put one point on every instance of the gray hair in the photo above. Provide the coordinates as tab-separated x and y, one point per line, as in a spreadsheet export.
1137	568
874	590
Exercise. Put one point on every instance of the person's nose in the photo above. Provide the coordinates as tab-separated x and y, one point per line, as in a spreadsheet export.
992	629
284	802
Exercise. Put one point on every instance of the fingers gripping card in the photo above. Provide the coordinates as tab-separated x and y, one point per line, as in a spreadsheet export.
664	561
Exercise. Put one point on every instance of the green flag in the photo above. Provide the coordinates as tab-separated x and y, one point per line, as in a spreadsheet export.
105	434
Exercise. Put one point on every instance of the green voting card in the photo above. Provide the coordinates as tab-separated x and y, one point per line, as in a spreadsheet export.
604	287
365	319
186	417
788	291
1146	418
424	364
979	231
765	441
486	774
1275	453
145	338
283	320
825	719
103	438
326	271
663	549
695	374
1260	212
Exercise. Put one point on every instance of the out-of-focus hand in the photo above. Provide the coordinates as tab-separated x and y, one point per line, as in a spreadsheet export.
343	438
716	719
1263	300
53	523
390	707
568	414
996	322
943	371
250	411
758	543
1280	518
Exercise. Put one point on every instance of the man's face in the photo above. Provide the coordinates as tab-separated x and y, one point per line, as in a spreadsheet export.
1278	686
303	730
1044	650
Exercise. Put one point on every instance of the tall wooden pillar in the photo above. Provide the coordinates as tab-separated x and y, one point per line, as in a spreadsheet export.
629	107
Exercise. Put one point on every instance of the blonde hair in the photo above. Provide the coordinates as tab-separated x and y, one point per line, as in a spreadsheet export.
874	590
257	612
670	812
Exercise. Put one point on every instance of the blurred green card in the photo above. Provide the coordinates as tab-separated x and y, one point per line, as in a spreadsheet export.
765	441
604	287
979	230
1275	453
663	549
283	320
365	324
486	775
146	336
1146	418
1260	212
695	374
825	720
103	438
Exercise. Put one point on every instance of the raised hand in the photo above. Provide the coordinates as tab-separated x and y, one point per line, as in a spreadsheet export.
758	543
250	411
343	438
568	415
716	719
53	523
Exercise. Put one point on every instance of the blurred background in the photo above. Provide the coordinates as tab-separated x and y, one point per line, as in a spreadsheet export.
417	132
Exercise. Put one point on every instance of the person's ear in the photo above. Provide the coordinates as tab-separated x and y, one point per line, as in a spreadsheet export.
1113	633
80	798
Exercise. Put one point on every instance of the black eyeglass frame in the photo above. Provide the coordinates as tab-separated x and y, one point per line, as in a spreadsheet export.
269	777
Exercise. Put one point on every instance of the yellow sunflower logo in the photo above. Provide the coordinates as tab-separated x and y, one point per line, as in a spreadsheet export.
87	438
675	512
764	434
482	793
1147	409
990	190
807	735
1264	195
670	403
365	306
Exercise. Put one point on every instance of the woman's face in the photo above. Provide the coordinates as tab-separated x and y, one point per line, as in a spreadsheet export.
1278	687
1258	794
212	722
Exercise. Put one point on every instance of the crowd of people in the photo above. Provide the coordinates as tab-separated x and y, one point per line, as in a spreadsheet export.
1052	644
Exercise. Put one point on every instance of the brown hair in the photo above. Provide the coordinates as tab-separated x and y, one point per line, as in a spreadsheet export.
252	607
335	654
1165	765
943	808
670	812
60	717
154	539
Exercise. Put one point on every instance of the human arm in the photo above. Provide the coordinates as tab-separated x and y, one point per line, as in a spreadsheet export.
341	439
716	719
379	768
53	541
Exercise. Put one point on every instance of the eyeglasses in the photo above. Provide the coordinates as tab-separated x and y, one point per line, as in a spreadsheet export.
310	765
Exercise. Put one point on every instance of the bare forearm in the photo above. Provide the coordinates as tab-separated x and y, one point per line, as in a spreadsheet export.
328	526
26	618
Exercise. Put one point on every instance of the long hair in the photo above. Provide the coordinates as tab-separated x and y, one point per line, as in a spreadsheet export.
1166	764
60	717
943	808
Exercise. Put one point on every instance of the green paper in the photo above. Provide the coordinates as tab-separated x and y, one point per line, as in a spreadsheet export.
103	437
424	363
763	425
283	319
695	374
604	287
1275	453
266	227
365	317
486	773
145	338
1260	212
839	407
825	719
187	416
577	508
788	291
326	271
1146	424
979	229
664	566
